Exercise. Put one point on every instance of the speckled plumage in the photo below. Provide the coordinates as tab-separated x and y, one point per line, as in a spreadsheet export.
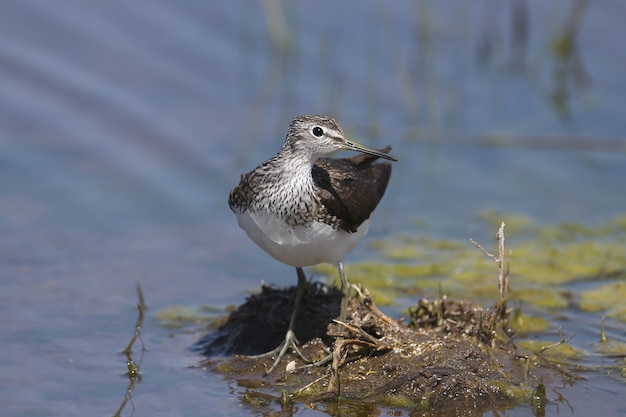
277	186
288	195
303	209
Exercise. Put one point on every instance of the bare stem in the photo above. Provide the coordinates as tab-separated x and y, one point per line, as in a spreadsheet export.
560	342
503	273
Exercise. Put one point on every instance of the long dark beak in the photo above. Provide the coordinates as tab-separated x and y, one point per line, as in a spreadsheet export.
355	146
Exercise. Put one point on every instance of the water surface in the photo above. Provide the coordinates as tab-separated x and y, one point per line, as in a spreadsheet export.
123	126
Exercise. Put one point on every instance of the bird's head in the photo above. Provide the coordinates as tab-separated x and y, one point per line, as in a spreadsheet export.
315	136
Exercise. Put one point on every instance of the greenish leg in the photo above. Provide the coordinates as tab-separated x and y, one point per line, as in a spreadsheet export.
290	336
345	289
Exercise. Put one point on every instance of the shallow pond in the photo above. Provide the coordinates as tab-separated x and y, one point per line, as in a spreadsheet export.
124	125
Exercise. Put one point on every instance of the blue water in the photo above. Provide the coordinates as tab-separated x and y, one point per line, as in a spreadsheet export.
124	125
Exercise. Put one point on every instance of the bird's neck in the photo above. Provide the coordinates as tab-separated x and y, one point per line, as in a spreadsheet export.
295	163
293	171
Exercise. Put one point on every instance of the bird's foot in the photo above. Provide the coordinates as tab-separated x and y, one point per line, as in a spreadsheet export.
289	342
339	336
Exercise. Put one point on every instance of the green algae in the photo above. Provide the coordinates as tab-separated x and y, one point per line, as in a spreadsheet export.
514	392
616	224
548	297
542	258
550	349
386	281
603	297
608	298
516	224
611	347
405	247
180	316
618	313
525	324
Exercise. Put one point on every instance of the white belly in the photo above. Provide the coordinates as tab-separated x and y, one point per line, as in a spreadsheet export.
302	245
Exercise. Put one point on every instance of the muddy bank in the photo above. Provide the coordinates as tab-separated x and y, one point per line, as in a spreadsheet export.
452	357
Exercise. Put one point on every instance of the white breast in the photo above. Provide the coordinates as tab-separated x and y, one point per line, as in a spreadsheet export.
301	245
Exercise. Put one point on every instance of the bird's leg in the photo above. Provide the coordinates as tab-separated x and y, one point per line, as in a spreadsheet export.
343	312
345	289
290	336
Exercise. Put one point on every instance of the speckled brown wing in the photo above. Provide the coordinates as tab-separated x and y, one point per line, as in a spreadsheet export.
351	188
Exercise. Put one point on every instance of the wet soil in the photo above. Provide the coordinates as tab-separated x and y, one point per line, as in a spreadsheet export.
452	357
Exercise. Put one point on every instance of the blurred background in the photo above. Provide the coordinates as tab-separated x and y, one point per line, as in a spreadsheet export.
124	126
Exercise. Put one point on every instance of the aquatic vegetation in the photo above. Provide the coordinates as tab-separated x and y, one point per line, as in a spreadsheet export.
448	334
543	261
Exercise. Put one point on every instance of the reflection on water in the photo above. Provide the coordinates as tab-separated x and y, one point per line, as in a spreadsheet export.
123	126
568	73
133	367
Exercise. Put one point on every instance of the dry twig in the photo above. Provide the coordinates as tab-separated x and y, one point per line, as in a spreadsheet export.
503	274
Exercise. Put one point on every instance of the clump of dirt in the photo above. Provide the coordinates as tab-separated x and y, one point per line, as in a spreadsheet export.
260	324
452	356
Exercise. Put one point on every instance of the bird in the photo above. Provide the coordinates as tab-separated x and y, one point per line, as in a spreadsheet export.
304	208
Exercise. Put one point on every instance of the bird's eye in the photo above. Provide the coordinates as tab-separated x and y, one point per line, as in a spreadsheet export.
318	131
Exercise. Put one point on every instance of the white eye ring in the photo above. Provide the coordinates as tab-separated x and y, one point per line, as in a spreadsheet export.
317	131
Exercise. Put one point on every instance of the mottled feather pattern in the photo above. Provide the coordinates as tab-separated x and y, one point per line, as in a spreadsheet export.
277	188
303	209
339	192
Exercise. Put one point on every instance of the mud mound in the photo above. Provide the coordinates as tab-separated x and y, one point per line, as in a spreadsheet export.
453	357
